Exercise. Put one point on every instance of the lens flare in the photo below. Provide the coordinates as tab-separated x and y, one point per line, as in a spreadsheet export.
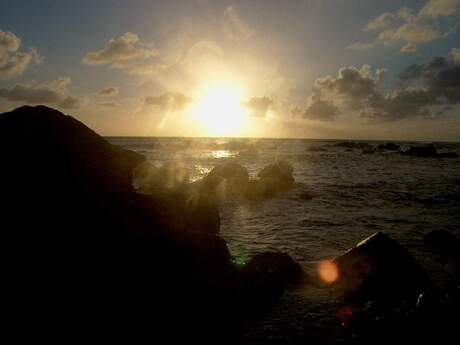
328	271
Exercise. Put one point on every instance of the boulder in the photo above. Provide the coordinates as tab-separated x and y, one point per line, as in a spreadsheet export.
378	268
273	179
266	275
228	180
448	155
389	147
422	151
442	241
100	258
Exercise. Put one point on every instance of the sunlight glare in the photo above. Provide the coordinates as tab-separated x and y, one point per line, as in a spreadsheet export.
220	111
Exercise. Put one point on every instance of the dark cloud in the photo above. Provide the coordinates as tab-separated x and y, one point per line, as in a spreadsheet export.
53	92
422	90
321	110
13	62
174	101
108	91
258	106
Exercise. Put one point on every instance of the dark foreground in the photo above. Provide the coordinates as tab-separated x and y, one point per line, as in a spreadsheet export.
88	257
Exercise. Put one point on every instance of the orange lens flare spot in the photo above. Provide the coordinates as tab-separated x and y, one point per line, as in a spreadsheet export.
328	271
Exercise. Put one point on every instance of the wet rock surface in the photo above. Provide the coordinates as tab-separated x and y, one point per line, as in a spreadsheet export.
266	276
378	268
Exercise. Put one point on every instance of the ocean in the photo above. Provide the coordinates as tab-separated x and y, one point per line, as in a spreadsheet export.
341	195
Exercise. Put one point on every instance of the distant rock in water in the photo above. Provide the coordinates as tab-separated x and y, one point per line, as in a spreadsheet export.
228	180
273	179
448	155
389	147
429	151
378	268
98	256
422	151
352	145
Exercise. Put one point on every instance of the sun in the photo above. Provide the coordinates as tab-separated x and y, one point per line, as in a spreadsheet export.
219	110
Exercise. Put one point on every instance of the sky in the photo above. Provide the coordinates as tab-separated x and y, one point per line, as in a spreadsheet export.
373	69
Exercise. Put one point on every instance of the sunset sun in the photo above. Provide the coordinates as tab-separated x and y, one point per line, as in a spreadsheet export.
219	110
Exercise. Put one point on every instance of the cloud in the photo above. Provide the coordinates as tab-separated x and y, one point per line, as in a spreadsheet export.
380	22
174	101
409	30
321	110
439	8
455	54
53	92
361	46
258	106
12	61
109	104
127	53
108	91
234	26
422	90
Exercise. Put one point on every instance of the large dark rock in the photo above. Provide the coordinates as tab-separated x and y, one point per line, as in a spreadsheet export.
273	179
228	180
442	241
266	276
378	268
422	151
448	155
87	254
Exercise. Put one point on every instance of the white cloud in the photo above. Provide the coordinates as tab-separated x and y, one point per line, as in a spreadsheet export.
127	53
12	61
439	8
408	30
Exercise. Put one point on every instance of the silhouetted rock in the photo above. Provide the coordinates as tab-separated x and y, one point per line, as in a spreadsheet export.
442	241
422	151
227	180
389	147
448	155
266	276
89	255
352	145
273	179
378	268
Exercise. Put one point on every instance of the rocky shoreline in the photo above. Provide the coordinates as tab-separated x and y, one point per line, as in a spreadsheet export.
90	254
